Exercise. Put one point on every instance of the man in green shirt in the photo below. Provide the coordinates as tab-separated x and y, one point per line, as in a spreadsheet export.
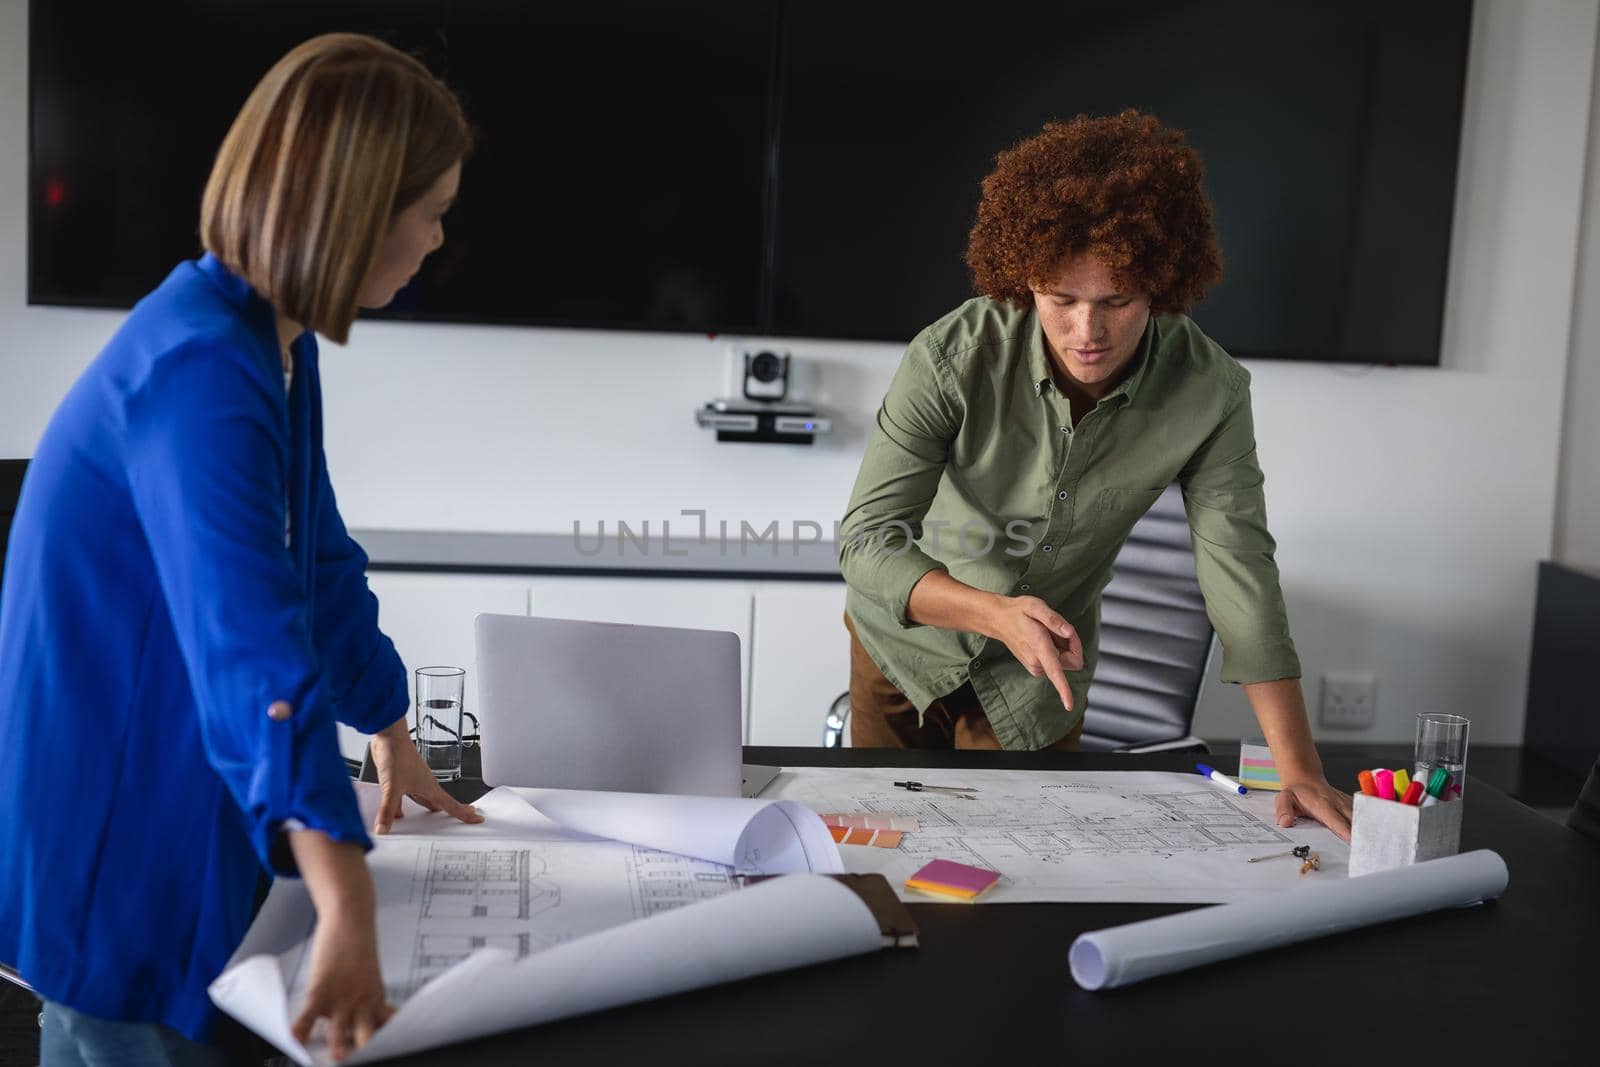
1024	434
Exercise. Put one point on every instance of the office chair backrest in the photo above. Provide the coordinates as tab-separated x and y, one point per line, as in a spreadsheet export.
11	471
1155	638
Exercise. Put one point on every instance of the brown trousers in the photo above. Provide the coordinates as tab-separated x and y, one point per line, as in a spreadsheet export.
882	717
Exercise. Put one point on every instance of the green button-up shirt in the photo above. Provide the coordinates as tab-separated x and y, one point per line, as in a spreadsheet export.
976	468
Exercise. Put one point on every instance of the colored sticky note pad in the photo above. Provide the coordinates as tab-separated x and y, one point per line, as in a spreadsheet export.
870	821
1257	769
850	835
947	878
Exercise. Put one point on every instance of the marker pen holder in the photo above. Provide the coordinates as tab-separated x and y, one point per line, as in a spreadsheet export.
1385	834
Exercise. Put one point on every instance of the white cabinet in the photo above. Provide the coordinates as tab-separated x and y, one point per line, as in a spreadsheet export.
800	661
429	619
697	604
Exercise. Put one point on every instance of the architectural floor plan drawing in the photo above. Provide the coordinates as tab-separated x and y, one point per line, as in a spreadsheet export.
492	883
560	902
439	901
1076	836
666	880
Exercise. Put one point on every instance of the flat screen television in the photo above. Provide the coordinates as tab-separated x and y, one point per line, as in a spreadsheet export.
794	169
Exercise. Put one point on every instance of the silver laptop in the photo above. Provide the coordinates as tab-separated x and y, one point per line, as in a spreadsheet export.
596	705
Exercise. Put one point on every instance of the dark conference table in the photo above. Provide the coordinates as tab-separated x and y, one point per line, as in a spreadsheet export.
1508	982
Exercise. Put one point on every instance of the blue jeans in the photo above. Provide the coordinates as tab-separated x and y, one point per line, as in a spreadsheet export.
73	1039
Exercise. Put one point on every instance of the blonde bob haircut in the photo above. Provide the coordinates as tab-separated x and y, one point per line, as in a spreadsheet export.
342	134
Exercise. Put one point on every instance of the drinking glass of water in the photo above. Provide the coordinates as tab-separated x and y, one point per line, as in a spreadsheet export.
438	719
1442	742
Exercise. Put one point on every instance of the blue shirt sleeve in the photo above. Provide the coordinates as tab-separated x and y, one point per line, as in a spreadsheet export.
369	683
208	456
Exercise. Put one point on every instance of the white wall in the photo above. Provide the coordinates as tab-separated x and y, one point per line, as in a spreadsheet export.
1578	488
1411	506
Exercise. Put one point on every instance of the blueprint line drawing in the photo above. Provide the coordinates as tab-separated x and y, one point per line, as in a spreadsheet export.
441	900
666	880
437	953
558	903
490	884
481	886
1075	835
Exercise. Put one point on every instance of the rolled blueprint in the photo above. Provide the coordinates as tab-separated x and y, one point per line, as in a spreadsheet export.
762	836
1122	955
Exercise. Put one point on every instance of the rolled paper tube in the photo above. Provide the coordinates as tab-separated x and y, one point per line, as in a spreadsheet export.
1122	955
1385	782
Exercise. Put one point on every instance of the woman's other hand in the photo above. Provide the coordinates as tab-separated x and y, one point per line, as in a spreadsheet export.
401	774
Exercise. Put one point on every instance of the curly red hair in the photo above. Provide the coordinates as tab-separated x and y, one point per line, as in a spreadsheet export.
1124	188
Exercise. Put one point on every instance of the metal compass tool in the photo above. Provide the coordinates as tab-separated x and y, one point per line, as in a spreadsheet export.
1299	852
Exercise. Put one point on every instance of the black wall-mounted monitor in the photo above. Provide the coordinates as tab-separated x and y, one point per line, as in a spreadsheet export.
617	181
804	169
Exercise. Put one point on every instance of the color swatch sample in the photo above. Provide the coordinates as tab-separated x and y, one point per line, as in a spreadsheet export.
870	821
947	878
850	835
1257	770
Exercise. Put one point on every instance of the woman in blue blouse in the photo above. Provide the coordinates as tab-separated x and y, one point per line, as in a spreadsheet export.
185	617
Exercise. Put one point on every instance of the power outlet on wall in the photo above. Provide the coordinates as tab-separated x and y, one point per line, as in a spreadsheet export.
1349	699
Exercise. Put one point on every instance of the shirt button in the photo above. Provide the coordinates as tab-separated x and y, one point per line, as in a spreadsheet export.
1061	495
279	710
1045	548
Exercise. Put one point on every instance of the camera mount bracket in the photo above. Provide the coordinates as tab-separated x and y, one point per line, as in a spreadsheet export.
755	422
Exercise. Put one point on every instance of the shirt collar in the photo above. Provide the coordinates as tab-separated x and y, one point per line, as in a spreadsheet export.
1129	386
238	293
1039	361
234	289
1038	357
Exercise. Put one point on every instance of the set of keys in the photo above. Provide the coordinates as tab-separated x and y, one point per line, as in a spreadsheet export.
1311	860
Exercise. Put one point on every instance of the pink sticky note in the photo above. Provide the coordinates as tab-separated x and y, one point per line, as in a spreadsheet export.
951	877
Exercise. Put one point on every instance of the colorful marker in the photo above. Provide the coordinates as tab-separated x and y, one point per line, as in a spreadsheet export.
1413	793
1222	780
1368	786
1438	782
1402	782
1384	779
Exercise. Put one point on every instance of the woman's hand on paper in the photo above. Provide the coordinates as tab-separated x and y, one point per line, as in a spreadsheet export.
401	774
1315	798
346	985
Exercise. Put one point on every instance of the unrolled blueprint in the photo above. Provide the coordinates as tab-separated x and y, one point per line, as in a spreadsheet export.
1123	836
532	915
444	899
